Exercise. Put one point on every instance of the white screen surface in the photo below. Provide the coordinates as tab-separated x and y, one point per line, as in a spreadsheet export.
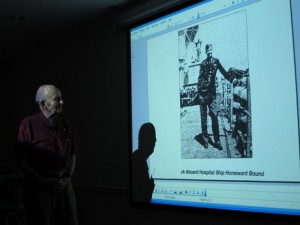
257	37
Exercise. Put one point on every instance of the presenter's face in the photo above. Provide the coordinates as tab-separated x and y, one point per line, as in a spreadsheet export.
54	103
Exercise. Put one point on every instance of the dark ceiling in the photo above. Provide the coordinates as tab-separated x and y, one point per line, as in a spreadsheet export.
28	24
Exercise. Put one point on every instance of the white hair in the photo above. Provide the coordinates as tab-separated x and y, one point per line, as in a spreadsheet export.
43	92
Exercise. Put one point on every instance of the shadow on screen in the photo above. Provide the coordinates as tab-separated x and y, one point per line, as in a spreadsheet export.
142	182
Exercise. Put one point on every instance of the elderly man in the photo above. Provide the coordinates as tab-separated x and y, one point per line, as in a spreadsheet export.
46	156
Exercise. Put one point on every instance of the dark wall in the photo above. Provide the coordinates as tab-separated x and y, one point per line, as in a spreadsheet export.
90	68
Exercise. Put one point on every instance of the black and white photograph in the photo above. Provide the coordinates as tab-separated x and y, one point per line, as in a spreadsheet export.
215	93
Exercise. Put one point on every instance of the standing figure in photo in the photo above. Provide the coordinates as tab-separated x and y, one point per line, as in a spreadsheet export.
45	153
207	96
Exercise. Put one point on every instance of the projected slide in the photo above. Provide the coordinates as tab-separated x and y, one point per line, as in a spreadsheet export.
219	84
240	106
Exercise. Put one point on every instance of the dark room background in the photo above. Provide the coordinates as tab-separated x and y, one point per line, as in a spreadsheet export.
90	68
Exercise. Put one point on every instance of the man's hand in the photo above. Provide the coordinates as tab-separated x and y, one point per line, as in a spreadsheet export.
236	74
59	183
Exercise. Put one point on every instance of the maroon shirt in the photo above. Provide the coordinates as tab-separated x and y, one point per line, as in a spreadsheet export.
46	143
